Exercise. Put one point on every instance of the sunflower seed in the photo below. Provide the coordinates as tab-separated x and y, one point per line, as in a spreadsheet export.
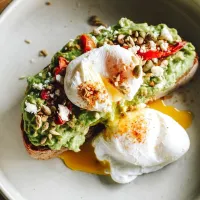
46	110
38	120
136	34
120	39
43	140
53	132
45	126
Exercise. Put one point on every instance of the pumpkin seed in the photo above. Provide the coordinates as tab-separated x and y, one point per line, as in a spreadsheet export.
53	132
46	110
45	126
43	140
142	34
148	66
38	120
50	136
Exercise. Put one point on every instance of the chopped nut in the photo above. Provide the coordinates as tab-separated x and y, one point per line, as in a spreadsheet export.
118	78
43	53
45	126
120	39
44	118
53	132
116	84
44	139
140	40
152	84
46	110
38	120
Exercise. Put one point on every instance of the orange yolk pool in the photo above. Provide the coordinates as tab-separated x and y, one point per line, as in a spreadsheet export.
86	161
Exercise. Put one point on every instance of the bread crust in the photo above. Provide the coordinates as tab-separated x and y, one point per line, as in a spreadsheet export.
45	153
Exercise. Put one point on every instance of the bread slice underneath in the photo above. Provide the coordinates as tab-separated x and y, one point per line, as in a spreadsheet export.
45	153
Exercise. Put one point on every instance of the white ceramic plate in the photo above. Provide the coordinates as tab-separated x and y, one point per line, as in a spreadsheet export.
50	27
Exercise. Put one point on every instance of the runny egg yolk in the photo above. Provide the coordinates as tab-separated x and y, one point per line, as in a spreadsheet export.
112	91
184	118
86	161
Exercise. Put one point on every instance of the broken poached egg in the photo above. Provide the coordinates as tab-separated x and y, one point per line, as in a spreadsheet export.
104	75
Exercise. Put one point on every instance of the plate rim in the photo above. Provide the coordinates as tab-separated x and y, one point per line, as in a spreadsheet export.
6	188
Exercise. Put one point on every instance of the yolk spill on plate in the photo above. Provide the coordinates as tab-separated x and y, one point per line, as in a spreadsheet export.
86	161
184	118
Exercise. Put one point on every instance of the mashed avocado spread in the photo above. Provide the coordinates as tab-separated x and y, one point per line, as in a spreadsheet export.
45	100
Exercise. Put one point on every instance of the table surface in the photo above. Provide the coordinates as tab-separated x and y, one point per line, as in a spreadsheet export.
3	4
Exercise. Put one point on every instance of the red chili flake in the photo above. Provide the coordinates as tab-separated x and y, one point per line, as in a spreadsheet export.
45	95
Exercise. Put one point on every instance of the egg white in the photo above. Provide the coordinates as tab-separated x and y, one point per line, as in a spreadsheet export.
162	142
102	63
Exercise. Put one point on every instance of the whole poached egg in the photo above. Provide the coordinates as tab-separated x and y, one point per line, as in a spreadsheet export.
104	75
141	142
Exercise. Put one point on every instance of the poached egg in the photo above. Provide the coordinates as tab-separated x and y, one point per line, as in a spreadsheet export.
104	75
141	142
86	160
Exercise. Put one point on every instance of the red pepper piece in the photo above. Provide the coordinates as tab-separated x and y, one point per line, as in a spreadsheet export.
57	71
44	94
58	120
87	43
62	64
172	49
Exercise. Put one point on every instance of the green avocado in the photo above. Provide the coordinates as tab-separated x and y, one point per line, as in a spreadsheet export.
40	126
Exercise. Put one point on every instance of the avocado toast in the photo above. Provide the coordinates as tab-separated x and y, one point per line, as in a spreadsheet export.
52	124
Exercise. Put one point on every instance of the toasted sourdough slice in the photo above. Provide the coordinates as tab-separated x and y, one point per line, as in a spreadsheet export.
45	153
